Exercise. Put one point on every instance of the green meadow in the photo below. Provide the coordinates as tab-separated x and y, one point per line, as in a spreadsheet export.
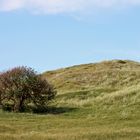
94	102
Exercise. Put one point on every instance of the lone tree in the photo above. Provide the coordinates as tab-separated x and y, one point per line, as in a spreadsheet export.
21	87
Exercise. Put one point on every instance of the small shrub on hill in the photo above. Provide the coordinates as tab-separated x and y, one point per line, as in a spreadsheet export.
21	87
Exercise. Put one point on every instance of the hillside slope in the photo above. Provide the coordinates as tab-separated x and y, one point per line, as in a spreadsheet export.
108	74
94	102
106	90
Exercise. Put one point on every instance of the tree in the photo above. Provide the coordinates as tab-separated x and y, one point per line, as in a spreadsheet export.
21	87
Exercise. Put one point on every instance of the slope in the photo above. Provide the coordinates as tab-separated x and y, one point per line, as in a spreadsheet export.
108	74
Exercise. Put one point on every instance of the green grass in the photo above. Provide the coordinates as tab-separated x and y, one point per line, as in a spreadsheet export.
94	102
107	115
80	125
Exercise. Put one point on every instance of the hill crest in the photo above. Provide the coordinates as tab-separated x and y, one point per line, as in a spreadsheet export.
114	74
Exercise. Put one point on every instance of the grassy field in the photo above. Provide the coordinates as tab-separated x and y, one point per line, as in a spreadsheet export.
67	127
90	111
111	116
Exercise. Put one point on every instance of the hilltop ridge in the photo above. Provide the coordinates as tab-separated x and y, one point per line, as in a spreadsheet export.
112	74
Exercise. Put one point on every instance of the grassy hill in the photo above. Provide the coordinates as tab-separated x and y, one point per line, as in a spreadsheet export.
108	74
98	101
113	83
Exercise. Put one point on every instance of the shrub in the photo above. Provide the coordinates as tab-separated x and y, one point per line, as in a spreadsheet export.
21	87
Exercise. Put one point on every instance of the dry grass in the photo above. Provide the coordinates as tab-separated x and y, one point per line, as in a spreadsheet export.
107	115
95	102
67	127
116	73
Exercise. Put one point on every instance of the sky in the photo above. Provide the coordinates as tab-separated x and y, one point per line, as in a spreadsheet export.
52	34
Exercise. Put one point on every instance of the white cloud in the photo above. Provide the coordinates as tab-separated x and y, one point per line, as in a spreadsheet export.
63	6
9	5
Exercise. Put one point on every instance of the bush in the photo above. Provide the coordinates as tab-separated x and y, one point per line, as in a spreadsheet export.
21	87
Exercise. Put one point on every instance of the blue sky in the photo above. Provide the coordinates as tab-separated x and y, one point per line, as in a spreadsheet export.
51	35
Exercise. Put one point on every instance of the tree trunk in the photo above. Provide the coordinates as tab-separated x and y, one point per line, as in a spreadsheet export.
18	105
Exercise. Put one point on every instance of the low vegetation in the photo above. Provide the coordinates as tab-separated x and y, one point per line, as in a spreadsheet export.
94	102
21	87
108	74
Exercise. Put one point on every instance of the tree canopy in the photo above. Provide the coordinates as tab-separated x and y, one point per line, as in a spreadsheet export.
22	86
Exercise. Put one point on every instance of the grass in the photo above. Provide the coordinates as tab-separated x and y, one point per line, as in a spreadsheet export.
107	74
104	107
80	125
107	115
